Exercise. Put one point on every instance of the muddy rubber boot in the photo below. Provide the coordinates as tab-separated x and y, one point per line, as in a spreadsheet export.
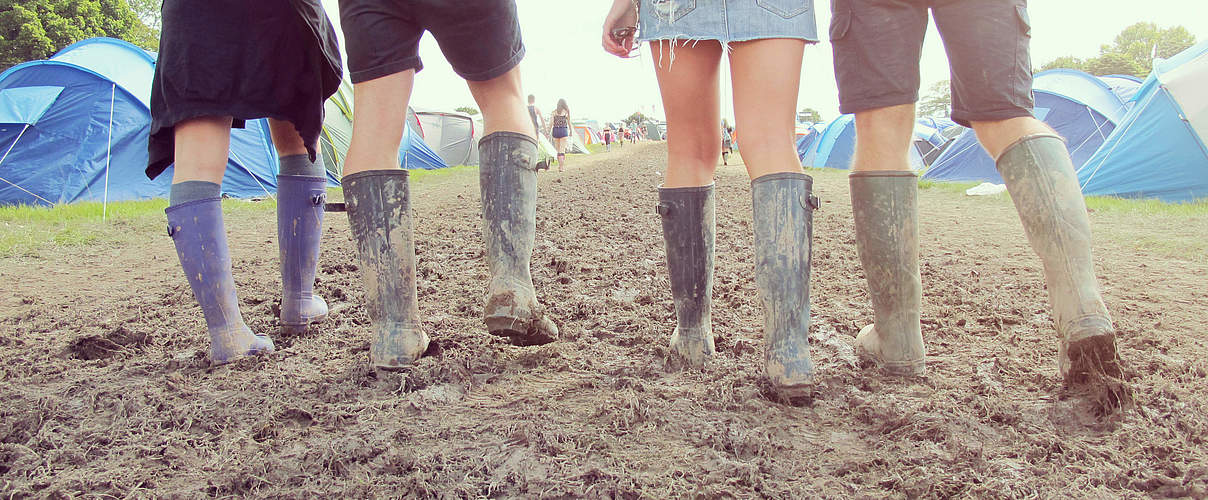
688	230
379	214
885	210
508	181
783	216
1044	188
300	203
201	244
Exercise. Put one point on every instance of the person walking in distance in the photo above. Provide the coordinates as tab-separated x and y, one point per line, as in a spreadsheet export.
221	63
876	47
482	43
687	41
560	129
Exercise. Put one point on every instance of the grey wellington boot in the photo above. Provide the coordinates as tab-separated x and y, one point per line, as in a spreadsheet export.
885	209
783	215
507	177
379	213
1044	187
688	230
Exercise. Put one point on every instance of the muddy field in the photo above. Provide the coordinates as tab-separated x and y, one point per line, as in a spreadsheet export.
105	389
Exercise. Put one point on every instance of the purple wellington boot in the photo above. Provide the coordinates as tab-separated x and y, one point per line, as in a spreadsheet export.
201	243
300	201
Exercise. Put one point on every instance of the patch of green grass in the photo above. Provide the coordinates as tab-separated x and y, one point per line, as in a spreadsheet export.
425	176
947	187
27	230
1145	207
595	148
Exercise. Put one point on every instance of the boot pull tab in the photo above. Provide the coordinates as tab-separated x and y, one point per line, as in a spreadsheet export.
813	202
663	209
318	199
171	231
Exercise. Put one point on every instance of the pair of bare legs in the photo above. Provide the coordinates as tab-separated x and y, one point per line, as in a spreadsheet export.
203	146
885	135
378	201
782	203
763	106
560	145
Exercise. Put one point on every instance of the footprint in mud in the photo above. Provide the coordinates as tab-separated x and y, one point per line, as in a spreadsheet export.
93	347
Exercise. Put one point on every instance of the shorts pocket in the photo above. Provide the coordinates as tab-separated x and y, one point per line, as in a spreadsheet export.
672	10
1025	23
785	8
840	23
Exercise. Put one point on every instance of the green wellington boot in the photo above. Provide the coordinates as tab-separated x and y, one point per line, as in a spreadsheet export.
885	210
1041	179
379	214
783	216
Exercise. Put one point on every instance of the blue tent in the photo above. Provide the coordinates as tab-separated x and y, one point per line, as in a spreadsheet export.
1084	109
74	127
414	153
805	142
1158	150
835	146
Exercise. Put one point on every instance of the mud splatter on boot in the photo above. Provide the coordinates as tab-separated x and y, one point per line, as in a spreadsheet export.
379	214
508	183
783	213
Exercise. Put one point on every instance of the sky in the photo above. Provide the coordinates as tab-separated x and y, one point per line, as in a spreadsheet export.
564	58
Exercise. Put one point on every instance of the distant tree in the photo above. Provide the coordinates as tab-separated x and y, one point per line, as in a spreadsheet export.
148	11
938	100
636	117
36	29
1068	62
467	110
809	115
1130	52
1117	64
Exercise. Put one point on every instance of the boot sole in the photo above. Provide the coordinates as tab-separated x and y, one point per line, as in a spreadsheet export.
510	328
1091	358
895	368
298	329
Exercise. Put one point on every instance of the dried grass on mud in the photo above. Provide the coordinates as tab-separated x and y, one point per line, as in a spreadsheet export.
106	390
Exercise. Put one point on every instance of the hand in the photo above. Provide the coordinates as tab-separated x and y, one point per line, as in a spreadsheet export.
620	26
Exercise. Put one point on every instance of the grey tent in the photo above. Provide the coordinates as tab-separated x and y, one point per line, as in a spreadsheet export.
451	134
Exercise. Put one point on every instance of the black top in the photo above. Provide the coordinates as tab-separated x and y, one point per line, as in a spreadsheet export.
245	59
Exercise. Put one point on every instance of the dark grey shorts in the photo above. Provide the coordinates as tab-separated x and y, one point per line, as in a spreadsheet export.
877	43
480	38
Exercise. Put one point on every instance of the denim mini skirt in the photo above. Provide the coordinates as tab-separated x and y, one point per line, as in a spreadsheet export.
726	20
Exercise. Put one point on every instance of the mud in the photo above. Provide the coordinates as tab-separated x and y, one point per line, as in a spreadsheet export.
106	390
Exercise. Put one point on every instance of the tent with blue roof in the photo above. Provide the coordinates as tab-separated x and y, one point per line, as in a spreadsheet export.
75	126
835	146
806	141
1159	148
1083	108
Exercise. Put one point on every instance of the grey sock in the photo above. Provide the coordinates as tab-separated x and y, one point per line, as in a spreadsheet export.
184	192
301	165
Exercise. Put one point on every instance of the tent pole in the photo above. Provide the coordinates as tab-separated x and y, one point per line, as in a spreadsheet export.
108	153
14	144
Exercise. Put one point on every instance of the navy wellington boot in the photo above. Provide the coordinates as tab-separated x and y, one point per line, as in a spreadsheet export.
201	243
300	202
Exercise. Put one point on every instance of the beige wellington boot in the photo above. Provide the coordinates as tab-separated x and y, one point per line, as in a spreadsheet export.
1044	187
885	209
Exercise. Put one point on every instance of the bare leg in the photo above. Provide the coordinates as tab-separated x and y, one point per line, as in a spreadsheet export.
690	94
764	103
285	138
377	126
202	147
